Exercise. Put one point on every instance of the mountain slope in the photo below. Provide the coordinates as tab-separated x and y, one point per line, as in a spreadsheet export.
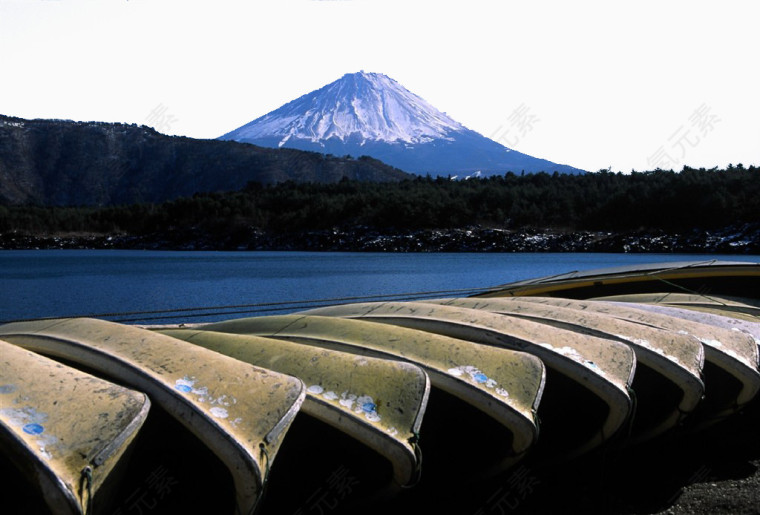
55	162
372	114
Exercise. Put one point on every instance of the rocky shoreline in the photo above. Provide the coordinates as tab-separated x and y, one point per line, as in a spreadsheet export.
738	239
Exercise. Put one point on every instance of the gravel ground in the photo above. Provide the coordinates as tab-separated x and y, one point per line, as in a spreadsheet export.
712	471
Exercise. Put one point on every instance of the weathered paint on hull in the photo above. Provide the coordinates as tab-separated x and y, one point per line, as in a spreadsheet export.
239	411
730	352
66	453
462	350
677	359
506	385
343	390
602	367
724	320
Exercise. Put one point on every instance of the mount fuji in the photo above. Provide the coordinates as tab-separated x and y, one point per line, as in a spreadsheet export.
371	114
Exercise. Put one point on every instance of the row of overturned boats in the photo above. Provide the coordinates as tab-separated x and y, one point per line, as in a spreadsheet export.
333	409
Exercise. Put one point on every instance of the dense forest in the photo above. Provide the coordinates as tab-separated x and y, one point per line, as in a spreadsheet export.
603	201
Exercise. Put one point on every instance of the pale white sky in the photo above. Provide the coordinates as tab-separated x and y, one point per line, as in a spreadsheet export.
592	84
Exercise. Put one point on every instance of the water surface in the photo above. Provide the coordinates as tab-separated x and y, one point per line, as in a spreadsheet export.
52	283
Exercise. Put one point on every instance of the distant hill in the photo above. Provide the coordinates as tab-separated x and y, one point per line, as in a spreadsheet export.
66	163
372	114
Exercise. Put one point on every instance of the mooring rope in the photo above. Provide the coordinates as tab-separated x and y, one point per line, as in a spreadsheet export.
683	288
259	307
294	305
85	488
414	441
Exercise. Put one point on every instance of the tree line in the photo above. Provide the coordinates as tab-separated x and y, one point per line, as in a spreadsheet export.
601	201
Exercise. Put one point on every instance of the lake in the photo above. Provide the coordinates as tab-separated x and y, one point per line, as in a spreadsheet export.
182	285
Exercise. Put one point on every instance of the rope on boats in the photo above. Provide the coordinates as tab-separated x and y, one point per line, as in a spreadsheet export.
414	441
268	307
259	307
265	480
85	487
692	292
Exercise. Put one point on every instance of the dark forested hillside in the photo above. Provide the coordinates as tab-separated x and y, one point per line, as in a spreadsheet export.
661	201
64	163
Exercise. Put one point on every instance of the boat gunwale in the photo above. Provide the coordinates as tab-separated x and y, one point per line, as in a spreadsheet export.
452	385
615	396
336	415
688	381
217	438
56	493
735	365
598	277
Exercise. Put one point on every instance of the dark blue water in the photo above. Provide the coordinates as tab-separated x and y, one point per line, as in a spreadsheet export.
51	283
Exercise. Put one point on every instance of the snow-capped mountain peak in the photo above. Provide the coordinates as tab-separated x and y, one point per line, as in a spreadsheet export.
372	114
364	106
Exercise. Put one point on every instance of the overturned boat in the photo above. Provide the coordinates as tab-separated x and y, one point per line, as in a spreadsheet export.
473	384
495	388
378	402
240	412
668	380
584	374
711	277
69	456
